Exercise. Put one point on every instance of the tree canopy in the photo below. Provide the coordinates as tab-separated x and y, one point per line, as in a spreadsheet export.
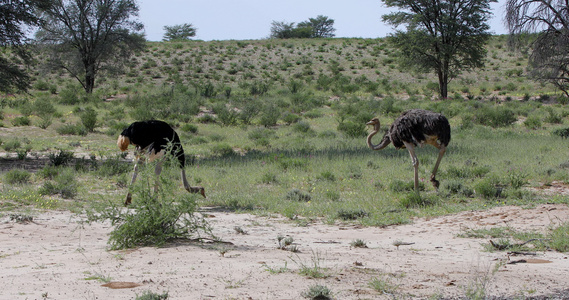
445	37
15	18
86	37
319	27
182	32
549	58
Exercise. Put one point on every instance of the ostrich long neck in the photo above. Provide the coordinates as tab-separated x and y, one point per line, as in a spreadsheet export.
384	142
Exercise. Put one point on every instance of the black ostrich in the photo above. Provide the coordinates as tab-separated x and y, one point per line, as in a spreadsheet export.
415	127
152	138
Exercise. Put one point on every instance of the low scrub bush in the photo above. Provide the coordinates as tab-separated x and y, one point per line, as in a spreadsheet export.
17	176
71	129
64	184
154	218
297	195
89	119
351	214
21	121
494	116
63	157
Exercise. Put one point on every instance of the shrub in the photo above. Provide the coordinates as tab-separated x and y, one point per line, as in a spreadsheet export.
62	158
222	149
270	115
562	132
17	176
43	107
297	195
352	129
154	218
191	128
21	121
89	119
413	199
487	189
71	129
290	118
149	295
494	116
403	186
64	184
113	166
302	127
455	187
320	292
11	145
533	122
354	214
225	116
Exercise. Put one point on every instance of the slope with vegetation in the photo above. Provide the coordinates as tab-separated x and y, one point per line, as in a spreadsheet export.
279	127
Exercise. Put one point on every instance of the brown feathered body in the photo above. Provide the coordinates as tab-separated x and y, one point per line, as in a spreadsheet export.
419	127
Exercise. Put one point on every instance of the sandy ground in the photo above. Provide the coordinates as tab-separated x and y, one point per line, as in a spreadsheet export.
58	257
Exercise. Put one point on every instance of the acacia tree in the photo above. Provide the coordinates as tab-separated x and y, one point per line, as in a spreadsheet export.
321	26
85	37
549	58
444	36
181	32
15	17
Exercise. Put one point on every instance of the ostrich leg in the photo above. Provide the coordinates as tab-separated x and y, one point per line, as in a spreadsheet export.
135	173
415	161
434	181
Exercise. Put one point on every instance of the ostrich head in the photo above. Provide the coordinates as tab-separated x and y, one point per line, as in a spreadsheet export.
374	122
123	142
384	141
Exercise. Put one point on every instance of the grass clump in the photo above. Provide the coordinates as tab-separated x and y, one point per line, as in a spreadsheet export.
348	215
149	295
64	184
17	176
319	292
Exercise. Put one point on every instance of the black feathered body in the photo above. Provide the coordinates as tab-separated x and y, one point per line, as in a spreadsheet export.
419	127
153	136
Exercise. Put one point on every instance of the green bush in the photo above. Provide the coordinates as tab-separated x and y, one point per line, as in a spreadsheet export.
222	149
191	128
270	115
149	295
17	176
154	218
62	158
533	122
64	184
71	129
494	116
11	145
113	166
487	189
351	214
352	129
297	195
21	121
89	119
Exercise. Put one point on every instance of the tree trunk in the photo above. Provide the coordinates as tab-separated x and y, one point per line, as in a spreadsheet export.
89	78
443	81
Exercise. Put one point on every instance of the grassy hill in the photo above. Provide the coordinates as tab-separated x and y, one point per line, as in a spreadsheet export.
268	124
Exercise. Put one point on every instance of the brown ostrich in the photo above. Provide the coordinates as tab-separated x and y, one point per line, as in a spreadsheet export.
153	138
415	127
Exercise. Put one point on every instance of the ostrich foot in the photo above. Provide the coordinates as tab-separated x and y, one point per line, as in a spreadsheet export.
435	182
128	199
